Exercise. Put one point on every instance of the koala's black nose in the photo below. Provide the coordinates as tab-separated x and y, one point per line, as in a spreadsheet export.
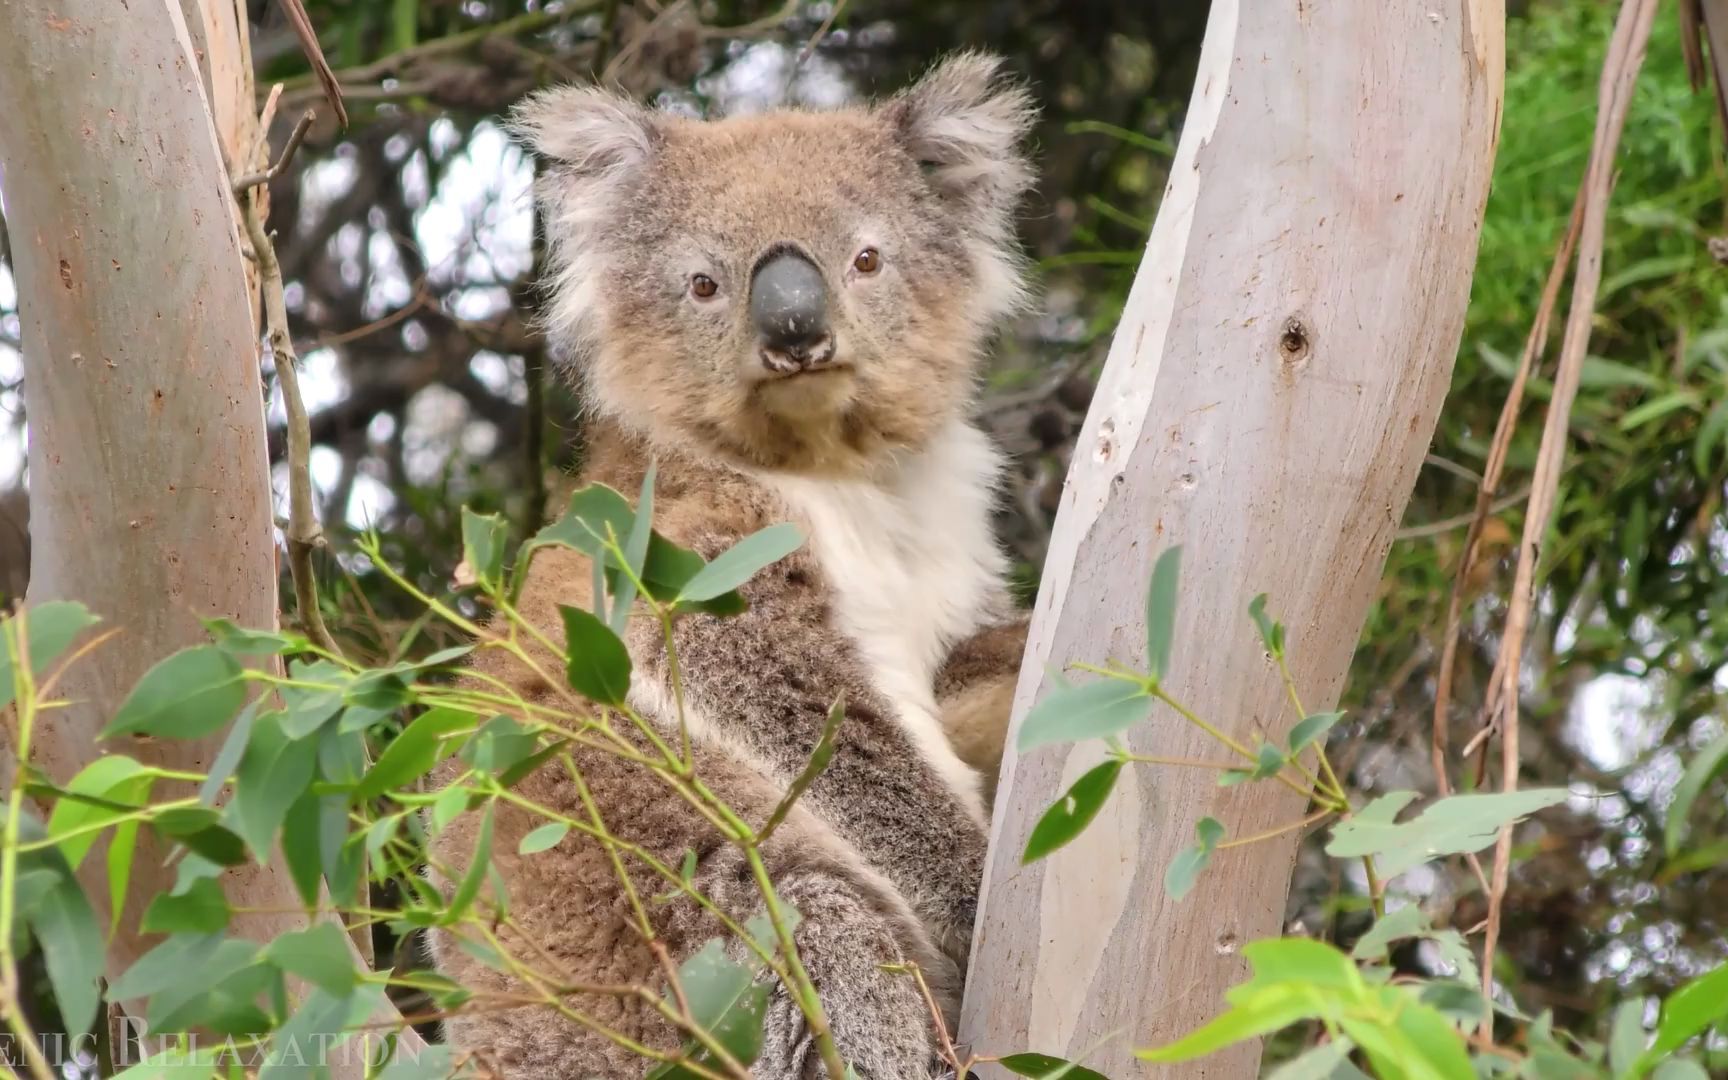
789	304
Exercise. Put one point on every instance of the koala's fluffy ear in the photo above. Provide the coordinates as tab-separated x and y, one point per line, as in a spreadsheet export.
589	131
964	122
595	144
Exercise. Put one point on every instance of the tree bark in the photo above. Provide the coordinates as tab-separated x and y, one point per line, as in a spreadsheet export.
1270	393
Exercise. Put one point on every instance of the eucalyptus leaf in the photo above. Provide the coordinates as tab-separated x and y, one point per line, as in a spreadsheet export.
741	562
596	663
186	696
1047	1067
1161	611
1069	815
1451	826
1185	869
1092	710
1703	768
51	628
545	837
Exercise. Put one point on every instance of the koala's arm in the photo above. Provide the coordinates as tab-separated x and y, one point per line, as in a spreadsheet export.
572	920
572	924
975	693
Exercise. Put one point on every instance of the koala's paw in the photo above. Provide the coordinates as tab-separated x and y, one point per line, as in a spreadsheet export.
879	1019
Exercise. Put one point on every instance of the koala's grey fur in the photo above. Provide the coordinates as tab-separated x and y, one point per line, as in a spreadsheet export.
897	600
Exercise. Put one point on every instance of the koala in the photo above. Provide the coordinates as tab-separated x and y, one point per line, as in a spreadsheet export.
785	313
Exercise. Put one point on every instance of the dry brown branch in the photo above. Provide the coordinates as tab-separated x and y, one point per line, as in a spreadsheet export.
308	37
1534	346
251	180
302	532
1619	77
1473	519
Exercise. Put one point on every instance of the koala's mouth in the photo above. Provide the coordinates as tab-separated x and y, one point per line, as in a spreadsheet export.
815	356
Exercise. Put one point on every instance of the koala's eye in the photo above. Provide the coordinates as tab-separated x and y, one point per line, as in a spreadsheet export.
703	286
868	261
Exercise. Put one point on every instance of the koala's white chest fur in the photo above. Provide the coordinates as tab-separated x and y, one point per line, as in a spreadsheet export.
915	568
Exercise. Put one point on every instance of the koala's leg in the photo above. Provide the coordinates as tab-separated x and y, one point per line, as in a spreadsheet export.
975	693
881	1023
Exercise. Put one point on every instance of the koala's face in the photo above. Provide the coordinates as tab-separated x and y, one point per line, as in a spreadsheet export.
802	291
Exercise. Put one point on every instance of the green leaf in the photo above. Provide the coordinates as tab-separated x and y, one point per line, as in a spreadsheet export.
302	837
311	707
72	949
1595	371
635	552
499	745
1410	921
546	836
382	691
1318	1063
483	547
228	637
1710	433
469	887
449	805
726	1000
1046	1067
1452	826
411	754
113	779
1070	814
1186	867
596	662
1271	633
318	954
1699	772
741	562
186	696
274	772
1254	1012
169	962
201	909
1311	728
51	628
121	847
228	758
1626	1036
433	1062
1438	1051
1091	711
198	830
1657	408
1301	960
318	1029
593	511
1161	612
1679	1069
1271	759
1688	1012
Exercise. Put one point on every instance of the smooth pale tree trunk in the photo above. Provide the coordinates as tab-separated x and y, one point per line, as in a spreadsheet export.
149	484
149	480
1267	401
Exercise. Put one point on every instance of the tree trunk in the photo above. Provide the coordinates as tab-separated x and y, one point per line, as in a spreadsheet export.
1268	399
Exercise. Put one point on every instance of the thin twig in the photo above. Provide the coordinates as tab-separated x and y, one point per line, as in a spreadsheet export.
1619	77
1534	345
810	46
820	755
303	534
308	37
1473	519
251	180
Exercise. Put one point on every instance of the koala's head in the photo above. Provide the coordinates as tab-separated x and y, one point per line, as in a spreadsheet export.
797	290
